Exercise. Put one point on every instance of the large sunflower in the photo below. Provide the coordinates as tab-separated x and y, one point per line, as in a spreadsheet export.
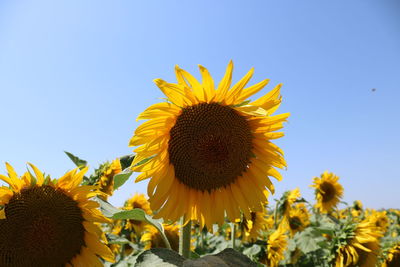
208	150
50	222
327	191
360	248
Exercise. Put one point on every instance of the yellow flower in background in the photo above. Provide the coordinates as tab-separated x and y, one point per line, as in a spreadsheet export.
106	181
361	248
328	191
50	223
290	198
393	257
298	219
208	149
138	201
276	246
251	227
379	219
357	209
152	238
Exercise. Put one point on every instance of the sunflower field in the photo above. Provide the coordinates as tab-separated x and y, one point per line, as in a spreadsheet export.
207	152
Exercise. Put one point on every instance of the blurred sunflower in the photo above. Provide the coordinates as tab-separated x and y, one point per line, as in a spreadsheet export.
276	246
251	227
357	209
50	222
393	257
379	219
152	238
360	247
288	199
298	219
106	180
210	147
138	201
328	191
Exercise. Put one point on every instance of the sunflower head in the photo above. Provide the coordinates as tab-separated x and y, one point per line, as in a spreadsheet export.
360	247
276	246
50	222
380	220
328	192
251	227
138	201
152	238
392	257
106	177
210	146
298	219
287	201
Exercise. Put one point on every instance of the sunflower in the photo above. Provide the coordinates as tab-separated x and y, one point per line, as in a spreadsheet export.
50	222
328	191
379	219
289	198
360	248
152	238
298	219
106	180
392	258
209	147
251	227
138	201
276	246
357	209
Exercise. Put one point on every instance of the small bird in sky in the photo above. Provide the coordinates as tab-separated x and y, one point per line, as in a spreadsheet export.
373	89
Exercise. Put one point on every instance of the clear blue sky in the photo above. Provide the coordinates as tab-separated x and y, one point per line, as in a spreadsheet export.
74	75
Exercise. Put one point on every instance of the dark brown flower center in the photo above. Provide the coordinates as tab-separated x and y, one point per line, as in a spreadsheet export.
328	191
43	227
210	146
294	223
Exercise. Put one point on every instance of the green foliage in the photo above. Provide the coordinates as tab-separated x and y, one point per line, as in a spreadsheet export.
76	160
121	178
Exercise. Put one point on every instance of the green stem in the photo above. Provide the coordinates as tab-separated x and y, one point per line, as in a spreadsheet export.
276	214
233	235
184	238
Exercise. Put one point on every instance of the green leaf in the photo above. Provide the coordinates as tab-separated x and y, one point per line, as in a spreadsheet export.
140	215
106	208
252	251
144	161
116	239
307	241
159	257
121	178
126	161
135	214
77	161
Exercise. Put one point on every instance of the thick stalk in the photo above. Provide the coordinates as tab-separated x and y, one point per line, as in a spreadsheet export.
184	238
233	235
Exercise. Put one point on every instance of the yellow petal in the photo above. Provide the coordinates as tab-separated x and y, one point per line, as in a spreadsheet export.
225	83
236	90
38	173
